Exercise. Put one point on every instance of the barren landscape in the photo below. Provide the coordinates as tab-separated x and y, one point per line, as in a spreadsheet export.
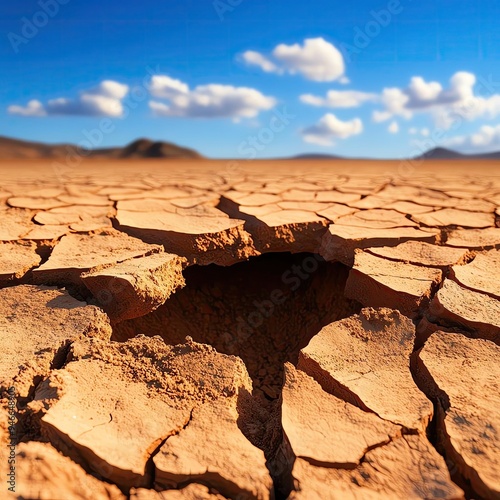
201	329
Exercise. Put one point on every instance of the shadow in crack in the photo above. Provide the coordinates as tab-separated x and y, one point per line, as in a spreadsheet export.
263	310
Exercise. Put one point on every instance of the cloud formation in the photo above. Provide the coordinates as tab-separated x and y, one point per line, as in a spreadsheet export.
393	128
104	99
339	99
423	131
445	105
316	60
487	138
329	129
206	101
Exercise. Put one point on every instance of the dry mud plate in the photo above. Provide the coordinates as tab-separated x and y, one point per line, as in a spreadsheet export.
186	330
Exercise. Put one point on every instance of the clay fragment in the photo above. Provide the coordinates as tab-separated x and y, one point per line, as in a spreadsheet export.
380	282
462	375
475	311
137	286
365	360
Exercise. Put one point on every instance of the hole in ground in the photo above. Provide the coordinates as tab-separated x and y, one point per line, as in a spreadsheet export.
264	310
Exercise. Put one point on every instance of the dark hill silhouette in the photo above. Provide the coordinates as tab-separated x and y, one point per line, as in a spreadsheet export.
141	148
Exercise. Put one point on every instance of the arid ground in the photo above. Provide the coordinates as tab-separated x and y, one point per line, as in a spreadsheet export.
250	330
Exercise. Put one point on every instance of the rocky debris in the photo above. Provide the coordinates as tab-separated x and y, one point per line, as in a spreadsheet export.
379	282
43	473
114	406
190	492
16	259
462	375
422	254
474	238
213	450
408	467
340	242
137	286
475	311
365	360
78	253
37	322
200	236
481	275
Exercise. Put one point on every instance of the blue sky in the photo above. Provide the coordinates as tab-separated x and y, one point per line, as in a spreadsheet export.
224	73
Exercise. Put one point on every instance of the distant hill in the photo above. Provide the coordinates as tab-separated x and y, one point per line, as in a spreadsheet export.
449	154
142	148
145	148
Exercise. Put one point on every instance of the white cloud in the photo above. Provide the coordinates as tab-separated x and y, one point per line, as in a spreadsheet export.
339	99
486	139
423	131
104	99
33	108
445	105
206	101
393	127
253	58
110	89
329	128
316	59
163	86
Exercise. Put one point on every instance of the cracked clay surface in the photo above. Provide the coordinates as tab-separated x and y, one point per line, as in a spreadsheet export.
290	329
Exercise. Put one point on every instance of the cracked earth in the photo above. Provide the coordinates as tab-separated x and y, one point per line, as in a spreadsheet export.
267	330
